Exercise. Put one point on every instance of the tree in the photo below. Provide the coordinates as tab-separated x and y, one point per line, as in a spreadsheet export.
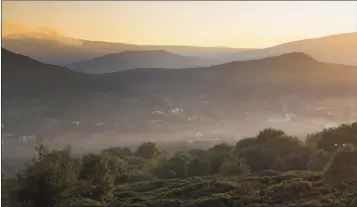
3	181
244	143
161	156
127	152
151	164
216	156
50	180
234	166
185	156
163	170
220	148
279	164
332	139
318	161
275	150
298	157
257	157
199	167
267	134
100	171
147	150
9	188
178	165
197	153
216	160
117	166
135	176
5	198
342	166
119	152
175	167
136	163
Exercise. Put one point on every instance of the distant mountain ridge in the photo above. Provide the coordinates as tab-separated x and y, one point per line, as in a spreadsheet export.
287	58
137	59
286	67
61	50
339	48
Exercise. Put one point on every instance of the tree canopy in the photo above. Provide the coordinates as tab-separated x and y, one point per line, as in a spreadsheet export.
271	168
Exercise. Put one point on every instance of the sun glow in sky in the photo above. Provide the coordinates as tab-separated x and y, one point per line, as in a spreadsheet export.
240	24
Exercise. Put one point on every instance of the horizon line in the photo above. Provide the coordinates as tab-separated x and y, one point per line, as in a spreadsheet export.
169	45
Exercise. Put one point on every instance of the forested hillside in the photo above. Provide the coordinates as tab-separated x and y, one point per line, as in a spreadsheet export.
271	168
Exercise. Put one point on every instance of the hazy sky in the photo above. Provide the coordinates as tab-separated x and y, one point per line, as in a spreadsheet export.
205	23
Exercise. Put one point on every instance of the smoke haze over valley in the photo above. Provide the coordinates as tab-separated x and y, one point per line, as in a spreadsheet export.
222	103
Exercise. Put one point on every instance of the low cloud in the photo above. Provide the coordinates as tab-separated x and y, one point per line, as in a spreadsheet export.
11	27
48	30
19	29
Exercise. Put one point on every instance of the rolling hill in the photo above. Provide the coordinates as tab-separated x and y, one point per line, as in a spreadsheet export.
137	59
339	48
287	70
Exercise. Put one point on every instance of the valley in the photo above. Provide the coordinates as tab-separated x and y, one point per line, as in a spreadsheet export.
222	103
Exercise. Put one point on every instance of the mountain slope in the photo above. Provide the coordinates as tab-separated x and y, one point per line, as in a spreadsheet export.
49	49
294	72
22	75
61	50
136	59
37	97
340	48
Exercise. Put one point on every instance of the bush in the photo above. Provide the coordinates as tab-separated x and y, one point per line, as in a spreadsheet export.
234	166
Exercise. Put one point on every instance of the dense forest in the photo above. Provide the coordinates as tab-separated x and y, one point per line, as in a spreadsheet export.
269	169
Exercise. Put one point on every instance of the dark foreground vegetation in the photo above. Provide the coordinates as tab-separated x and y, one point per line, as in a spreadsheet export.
270	169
